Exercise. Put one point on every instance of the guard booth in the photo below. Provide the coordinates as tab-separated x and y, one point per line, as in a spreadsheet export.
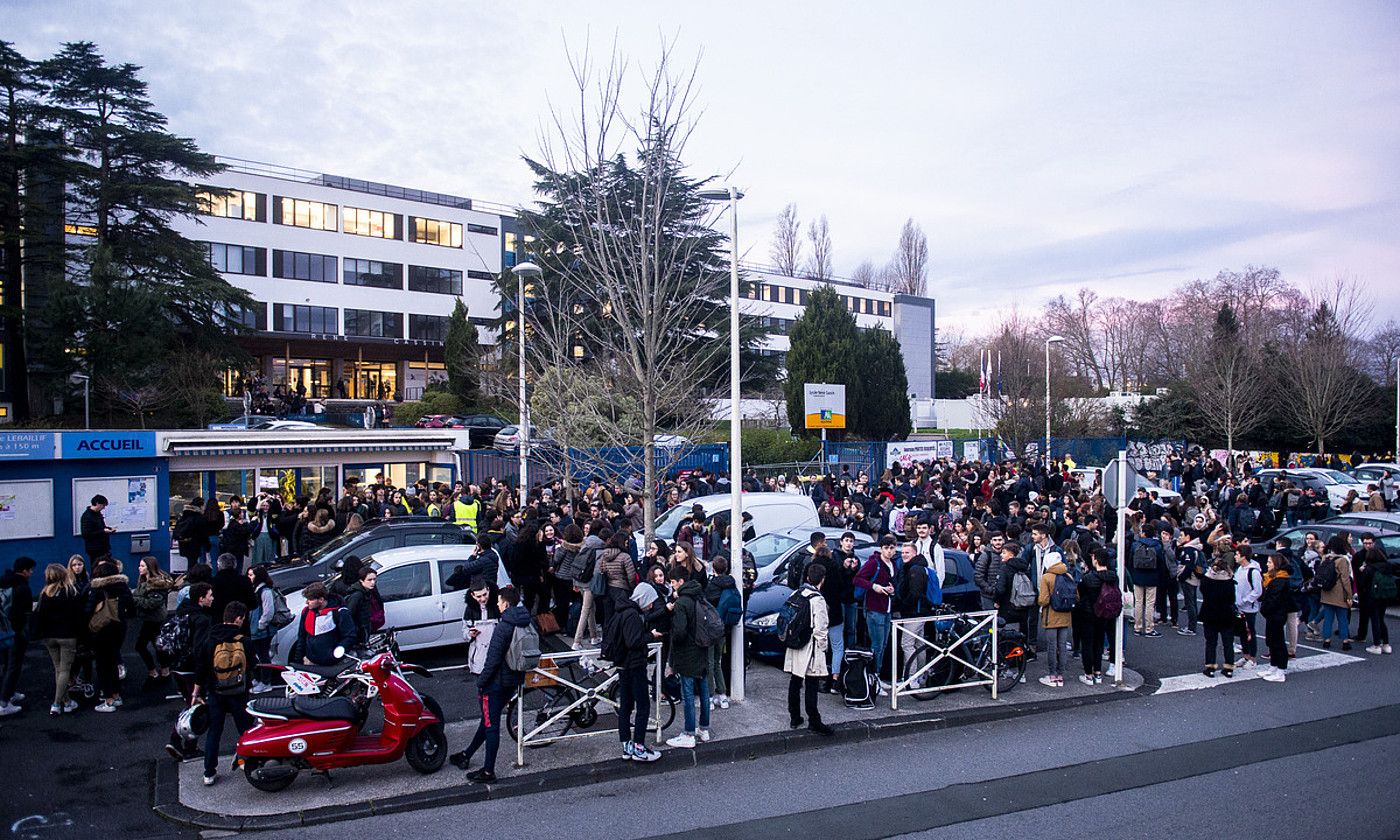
297	462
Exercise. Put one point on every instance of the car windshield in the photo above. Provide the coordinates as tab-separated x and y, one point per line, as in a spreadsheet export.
769	547
316	554
1337	476
670	521
1390	545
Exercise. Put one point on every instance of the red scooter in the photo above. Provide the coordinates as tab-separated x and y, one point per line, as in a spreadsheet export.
322	733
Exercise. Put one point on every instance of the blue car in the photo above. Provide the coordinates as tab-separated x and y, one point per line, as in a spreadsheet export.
761	612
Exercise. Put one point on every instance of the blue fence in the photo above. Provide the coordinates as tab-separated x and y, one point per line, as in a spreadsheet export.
619	463
871	457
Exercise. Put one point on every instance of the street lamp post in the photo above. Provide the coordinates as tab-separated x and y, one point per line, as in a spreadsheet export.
736	464
521	271
1054	339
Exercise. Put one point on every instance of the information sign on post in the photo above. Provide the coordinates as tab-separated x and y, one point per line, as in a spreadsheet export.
824	405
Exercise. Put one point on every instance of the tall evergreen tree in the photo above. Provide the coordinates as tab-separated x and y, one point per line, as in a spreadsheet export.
884	409
824	347
462	353
19	107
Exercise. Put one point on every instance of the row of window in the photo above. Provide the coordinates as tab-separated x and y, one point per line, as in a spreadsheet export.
322	268
774	293
326	320
319	215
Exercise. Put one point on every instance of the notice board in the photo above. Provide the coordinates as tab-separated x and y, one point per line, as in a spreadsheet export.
26	509
131	501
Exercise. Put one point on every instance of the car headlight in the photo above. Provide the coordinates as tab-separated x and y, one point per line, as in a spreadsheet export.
769	620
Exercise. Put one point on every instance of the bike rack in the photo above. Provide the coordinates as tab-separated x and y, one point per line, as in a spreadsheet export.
913	628
581	694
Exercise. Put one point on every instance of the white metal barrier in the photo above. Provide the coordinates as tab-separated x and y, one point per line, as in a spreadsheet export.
554	672
936	652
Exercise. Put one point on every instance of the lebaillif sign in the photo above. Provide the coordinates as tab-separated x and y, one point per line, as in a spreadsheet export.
824	405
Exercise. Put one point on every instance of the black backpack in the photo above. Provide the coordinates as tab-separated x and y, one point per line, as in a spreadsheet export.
797	570
1325	577
795	621
1144	557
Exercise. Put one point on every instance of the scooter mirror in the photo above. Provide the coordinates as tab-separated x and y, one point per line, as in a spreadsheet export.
339	651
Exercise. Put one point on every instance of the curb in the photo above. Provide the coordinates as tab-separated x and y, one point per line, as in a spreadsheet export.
165	781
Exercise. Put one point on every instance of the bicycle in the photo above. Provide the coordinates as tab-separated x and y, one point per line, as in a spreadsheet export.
588	689
948	625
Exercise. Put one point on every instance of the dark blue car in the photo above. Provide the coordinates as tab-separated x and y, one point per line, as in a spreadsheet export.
761	612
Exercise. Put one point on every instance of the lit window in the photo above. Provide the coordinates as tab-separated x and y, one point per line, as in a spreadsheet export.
298	212
233	204
371	223
435	232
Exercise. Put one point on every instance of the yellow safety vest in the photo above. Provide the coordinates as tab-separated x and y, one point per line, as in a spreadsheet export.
465	514
435	511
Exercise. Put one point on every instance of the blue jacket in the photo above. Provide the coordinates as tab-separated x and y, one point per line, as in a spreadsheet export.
495	675
320	632
1144	578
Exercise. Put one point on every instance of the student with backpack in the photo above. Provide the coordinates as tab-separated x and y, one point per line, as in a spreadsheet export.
805	634
689	656
180	637
875	584
109	605
723	594
1057	599
625	642
224	671
1018	594
1333	579
1148	564
271	615
1377	578
507	660
1099	590
917	592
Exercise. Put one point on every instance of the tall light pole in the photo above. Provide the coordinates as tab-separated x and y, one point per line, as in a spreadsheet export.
521	271
1054	339
736	461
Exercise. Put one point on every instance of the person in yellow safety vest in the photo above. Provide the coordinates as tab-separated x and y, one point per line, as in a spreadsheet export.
465	513
434	509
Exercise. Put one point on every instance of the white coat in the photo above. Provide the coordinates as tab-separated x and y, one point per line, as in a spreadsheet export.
810	659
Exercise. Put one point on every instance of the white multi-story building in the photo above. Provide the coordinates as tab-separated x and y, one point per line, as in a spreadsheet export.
353	281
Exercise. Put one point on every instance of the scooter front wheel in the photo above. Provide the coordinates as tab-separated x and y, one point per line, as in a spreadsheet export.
269	775
428	750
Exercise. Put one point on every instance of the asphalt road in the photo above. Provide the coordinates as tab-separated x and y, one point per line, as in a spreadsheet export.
1246	757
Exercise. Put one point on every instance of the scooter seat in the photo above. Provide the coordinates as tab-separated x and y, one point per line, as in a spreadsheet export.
324	708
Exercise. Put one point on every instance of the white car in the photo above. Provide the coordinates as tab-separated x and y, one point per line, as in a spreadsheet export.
418	603
288	425
1335	483
1384	476
1089	476
766	513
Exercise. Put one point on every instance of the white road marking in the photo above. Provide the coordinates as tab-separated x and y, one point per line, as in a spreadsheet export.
1195	682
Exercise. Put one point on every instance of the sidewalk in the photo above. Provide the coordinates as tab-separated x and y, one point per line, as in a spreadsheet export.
744	731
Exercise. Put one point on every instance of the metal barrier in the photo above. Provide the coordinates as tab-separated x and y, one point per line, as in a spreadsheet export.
549	673
913	628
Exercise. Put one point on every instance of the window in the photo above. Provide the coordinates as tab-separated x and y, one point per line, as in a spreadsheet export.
401	583
301	213
233	204
253	317
323	320
445	571
427	538
380	275
371	223
435	232
295	265
427	327
486	229
365	322
481	275
885	308
443	281
237	259
767	292
801	299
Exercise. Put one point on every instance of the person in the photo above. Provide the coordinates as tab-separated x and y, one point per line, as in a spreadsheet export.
1275	604
1191	555
321	630
14	589
807	665
479	621
260	627
1370	554
191	531
722	591
913	584
366	606
1335	568
688	660
230	584
223	673
264	528
1099	630
986	570
1248	589
618	569
1147	560
153	588
587	566
346	579
56	621
108	608
876	577
1377	577
625	643
494	686
97	537
196	612
1055	621
1218	615
1013	563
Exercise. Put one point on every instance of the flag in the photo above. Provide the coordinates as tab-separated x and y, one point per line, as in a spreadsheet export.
982	372
998	373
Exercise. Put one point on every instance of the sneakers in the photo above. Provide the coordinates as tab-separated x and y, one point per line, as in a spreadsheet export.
703	733
1109	671
483	776
1346	645
1182	631
1245	663
1209	671
1375	650
1153	634
9	709
796	723
1047	681
17	697
822	729
108	707
459	760
1385	648
684	741
1272	675
174	752
641	752
55	710
882	687
71	706
210	778
627	750
724	701
1088	680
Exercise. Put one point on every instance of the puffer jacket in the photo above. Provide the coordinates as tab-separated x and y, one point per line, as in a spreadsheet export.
570	561
150	599
617	565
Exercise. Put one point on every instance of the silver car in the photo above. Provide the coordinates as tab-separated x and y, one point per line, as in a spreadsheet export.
771	551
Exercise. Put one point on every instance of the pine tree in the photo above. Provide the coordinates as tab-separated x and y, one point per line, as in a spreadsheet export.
824	347
462	353
19	92
884	410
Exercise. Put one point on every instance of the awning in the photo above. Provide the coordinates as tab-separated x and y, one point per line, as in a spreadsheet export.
178	449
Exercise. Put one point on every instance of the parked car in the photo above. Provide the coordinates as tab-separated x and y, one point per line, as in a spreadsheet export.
771	551
439	421
508	439
1089	477
1388	540
1374	519
1335	483
482	428
768	512
243	421
377	535
276	425
1385	476
418	604
761	612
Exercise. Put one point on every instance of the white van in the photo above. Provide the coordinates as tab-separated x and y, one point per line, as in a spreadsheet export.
770	512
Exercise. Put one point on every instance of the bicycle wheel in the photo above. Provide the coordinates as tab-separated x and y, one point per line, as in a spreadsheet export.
540	704
1011	666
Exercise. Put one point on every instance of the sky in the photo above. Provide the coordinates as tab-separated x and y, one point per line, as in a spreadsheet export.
1127	148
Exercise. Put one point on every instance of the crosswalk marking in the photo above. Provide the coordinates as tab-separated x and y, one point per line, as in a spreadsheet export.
1197	681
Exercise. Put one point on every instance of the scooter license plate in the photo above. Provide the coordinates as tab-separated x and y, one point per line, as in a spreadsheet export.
301	682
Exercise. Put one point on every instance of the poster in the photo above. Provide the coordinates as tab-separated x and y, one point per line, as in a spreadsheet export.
7	506
906	453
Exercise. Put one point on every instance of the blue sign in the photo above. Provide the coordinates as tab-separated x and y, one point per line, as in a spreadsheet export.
26	445
108	444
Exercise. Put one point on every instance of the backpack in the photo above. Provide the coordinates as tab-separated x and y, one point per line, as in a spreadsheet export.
614	648
708	629
858	679
729	609
1064	595
1248	519
915	588
1144	557
230	667
107	613
1325	576
1383	589
797	570
795	621
174	638
523	653
1023	592
1109	604
281	613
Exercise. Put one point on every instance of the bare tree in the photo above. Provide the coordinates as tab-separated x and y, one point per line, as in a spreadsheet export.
866	275
141	399
819	267
1328	387
1077	322
1228	382
1385	352
908	272
786	250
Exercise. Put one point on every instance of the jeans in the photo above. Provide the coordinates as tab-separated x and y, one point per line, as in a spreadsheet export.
914	652
1226	635
837	636
633	692
715	675
808	687
1274	638
879	624
1190	598
1249	645
1342	617
14	665
488	731
61	653
690	688
1143	601
219	706
1055	640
